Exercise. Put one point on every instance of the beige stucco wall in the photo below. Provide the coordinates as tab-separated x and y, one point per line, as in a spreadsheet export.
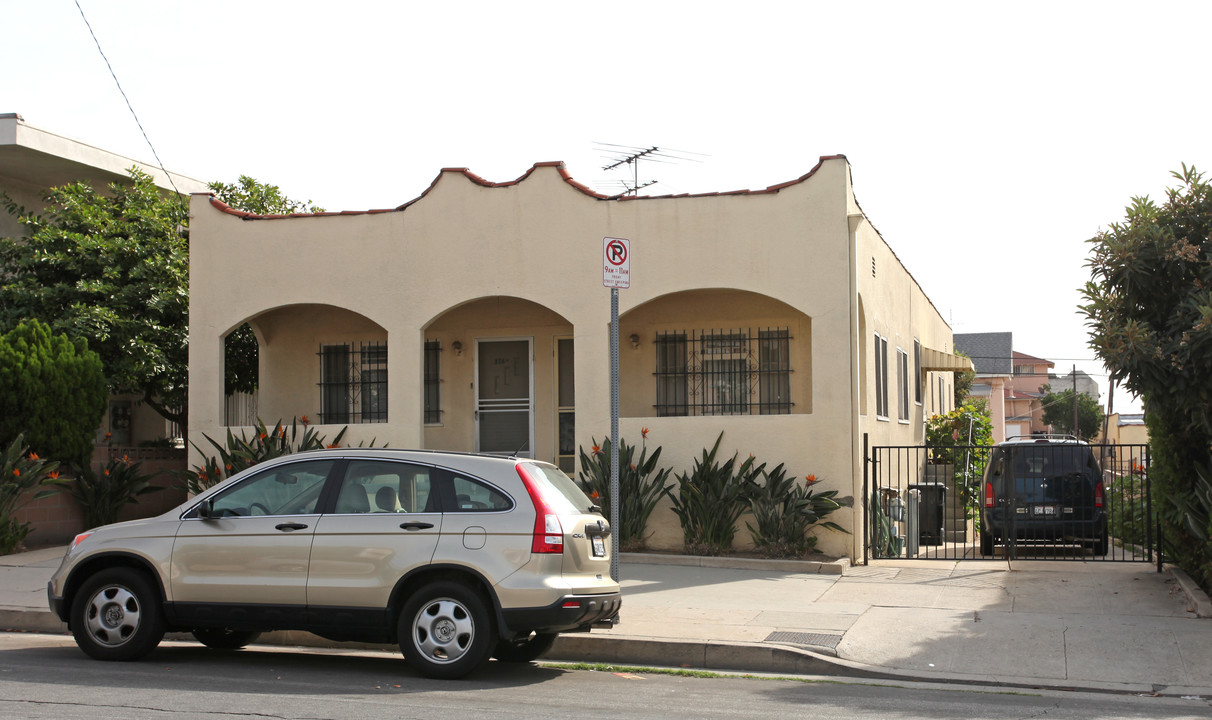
467	261
1119	433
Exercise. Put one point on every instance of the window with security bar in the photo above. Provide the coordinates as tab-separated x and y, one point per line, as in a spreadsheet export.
723	372
353	383
433	381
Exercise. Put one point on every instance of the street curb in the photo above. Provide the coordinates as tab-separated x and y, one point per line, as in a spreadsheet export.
39	621
765	659
1200	604
705	655
710	655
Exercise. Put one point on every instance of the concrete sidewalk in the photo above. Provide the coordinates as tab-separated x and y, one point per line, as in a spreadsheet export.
1080	625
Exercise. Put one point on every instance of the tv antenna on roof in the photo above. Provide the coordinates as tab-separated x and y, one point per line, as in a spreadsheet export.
619	155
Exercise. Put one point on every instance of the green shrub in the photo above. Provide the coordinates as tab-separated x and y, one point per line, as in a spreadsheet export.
52	392
711	499
241	453
102	497
962	438
1127	515
639	488
784	512
23	477
884	542
1179	477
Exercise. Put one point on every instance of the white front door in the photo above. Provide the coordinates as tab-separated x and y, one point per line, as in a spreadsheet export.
504	397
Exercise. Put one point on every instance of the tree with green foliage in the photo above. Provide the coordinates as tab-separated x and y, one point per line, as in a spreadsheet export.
961	439
113	269
1058	412
1148	305
52	393
259	198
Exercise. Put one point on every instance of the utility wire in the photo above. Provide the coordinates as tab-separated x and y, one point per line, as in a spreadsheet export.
124	97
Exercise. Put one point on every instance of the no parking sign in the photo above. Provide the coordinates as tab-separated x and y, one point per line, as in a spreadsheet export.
616	262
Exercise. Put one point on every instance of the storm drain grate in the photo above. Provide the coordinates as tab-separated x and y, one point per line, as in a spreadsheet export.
812	639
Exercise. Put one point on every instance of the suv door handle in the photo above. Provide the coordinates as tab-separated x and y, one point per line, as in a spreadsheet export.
415	525
287	527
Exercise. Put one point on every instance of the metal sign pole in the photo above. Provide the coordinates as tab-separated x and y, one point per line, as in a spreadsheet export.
614	434
616	273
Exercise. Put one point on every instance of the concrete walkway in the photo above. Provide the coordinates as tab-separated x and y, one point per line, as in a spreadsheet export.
1082	625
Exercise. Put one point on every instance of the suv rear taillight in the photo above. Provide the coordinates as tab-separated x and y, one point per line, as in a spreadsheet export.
548	533
1098	495
989	498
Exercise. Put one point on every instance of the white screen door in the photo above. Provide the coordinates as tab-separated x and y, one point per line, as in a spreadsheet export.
504	398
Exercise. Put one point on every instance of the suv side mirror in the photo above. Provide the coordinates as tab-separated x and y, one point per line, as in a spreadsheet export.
206	511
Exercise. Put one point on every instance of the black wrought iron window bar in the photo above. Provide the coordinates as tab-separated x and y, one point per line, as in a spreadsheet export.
433	380
353	383
723	372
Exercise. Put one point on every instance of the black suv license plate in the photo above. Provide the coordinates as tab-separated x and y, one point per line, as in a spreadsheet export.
1043	510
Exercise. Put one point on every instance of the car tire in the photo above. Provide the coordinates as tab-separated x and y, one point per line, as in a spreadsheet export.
224	638
445	630
986	543
1100	546
116	615
526	650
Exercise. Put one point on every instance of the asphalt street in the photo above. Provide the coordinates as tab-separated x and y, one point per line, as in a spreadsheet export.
46	676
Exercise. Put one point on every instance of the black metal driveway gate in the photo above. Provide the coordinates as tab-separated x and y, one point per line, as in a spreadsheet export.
925	503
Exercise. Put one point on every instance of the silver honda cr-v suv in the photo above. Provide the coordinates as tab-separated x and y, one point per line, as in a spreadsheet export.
455	557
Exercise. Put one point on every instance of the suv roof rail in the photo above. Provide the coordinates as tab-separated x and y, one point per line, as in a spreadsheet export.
1044	437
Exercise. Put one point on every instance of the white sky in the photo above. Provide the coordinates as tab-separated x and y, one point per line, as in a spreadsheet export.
988	141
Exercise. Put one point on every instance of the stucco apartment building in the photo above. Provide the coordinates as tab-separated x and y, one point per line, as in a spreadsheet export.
992	355
1024	393
474	318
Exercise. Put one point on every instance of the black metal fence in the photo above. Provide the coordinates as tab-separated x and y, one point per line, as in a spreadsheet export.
1038	501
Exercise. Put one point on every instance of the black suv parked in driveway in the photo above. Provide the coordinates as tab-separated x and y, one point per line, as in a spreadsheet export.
1043	489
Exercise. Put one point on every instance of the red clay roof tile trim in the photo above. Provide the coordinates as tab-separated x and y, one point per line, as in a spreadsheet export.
558	165
243	215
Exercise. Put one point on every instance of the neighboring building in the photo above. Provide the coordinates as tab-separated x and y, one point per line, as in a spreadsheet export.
993	356
1014	383
1024	390
31	162
1126	429
474	318
1086	385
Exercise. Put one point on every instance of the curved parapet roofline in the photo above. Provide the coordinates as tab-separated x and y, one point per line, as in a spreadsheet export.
224	207
558	165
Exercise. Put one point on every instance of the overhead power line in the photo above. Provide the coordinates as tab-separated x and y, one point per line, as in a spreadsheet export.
127	99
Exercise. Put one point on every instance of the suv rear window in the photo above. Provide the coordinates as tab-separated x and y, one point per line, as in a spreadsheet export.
1050	461
561	493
